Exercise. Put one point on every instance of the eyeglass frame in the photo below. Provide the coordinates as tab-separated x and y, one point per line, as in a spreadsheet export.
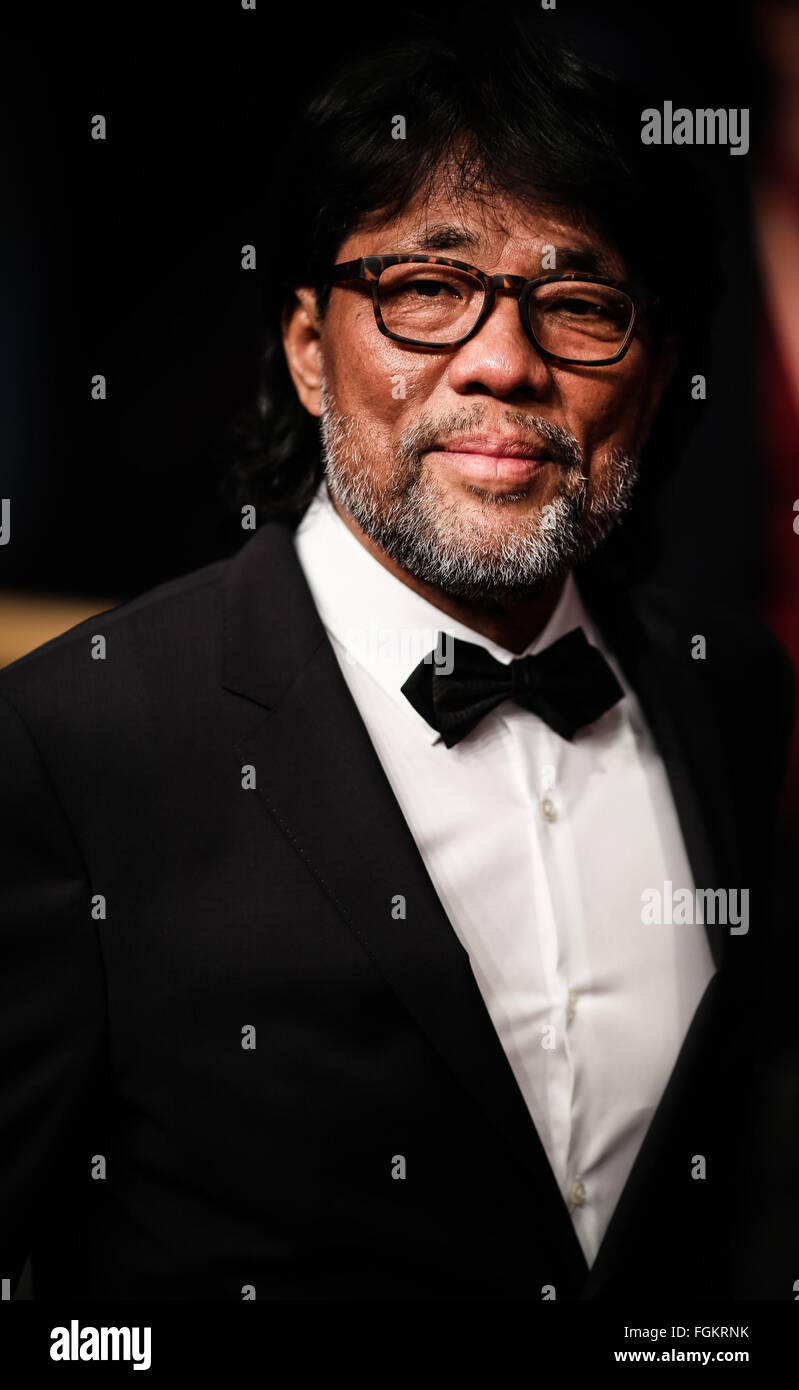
369	269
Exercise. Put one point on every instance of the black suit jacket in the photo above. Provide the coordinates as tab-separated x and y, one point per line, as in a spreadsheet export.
144	1152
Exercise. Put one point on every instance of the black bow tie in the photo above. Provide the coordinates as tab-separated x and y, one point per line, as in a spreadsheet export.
568	684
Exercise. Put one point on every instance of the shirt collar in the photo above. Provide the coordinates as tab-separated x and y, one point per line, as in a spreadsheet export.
381	624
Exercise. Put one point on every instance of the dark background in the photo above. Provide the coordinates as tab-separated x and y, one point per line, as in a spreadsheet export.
123	257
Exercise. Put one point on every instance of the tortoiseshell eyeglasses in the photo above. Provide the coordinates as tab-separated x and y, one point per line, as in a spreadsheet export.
432	301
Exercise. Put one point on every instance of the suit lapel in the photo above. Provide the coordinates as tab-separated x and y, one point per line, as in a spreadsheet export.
319	777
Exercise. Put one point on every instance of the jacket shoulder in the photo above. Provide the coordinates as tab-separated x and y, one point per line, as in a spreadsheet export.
742	665
134	630
735	627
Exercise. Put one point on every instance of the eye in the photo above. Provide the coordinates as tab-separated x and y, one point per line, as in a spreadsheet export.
598	306
579	307
432	289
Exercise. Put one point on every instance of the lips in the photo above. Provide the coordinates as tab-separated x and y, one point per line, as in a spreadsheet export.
492	458
493	446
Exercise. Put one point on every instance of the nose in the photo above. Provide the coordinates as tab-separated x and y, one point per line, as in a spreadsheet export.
500	360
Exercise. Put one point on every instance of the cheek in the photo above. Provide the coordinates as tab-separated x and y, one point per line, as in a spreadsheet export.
371	377
605	406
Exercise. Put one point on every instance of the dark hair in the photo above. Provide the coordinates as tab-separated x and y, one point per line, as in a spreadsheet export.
518	115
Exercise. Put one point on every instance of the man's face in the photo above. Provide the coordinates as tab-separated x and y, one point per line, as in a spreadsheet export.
413	438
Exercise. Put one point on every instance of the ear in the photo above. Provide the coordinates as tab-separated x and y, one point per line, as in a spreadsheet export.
663	368
301	331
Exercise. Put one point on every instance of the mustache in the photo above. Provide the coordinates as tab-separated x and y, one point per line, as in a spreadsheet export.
561	444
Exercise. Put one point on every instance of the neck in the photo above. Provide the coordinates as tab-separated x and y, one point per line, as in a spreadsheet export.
513	624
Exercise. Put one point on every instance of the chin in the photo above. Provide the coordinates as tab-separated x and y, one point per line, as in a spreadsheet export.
505	497
528	498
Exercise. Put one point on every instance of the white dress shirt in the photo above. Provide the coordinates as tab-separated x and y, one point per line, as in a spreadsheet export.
539	850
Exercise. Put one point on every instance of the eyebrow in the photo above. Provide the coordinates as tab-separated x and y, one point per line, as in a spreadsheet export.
448	236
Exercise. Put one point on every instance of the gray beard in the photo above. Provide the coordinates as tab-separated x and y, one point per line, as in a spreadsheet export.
408	515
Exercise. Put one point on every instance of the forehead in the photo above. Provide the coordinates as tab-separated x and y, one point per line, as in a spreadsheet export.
500	234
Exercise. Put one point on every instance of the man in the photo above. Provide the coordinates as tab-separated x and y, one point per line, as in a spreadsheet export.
340	950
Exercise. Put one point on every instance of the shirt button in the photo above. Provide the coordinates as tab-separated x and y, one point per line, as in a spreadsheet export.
572	1008
577	1193
548	809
